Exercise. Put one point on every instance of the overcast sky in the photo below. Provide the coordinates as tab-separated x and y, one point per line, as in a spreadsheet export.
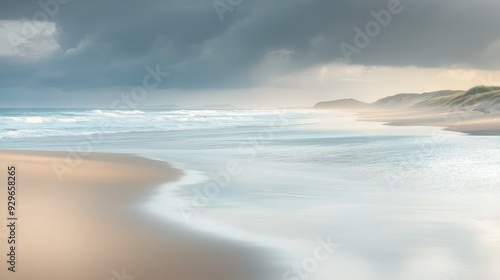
257	53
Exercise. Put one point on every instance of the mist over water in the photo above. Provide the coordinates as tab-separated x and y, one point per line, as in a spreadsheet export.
398	202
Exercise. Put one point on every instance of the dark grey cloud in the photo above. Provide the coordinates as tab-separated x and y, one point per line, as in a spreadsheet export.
109	43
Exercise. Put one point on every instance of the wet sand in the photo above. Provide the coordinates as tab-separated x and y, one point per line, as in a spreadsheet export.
91	225
471	122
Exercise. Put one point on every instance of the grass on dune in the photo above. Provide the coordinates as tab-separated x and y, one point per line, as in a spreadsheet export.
477	95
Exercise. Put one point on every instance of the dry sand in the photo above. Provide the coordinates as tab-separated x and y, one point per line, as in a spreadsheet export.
91	224
471	122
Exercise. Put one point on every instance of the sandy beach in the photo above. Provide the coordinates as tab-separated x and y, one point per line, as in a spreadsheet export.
91	225
470	122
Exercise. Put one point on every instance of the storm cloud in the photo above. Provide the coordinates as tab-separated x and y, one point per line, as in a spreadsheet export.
223	44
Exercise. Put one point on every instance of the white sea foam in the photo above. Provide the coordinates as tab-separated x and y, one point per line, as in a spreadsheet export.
398	201
29	120
70	123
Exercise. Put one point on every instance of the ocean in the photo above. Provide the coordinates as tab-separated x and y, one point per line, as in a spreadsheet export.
331	197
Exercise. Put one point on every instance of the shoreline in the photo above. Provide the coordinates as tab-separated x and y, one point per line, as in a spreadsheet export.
92	225
468	122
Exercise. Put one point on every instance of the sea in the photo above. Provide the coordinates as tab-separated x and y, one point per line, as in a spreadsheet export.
330	196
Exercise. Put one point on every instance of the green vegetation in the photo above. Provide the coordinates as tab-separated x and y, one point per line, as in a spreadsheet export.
481	89
479	97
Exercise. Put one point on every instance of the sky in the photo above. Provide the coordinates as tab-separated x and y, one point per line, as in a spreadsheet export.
249	53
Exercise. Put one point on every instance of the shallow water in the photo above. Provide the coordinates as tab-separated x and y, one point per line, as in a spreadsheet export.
397	202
